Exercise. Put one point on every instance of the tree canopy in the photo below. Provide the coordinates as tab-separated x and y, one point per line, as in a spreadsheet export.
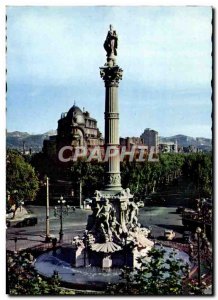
158	275
197	168
23	280
141	177
21	180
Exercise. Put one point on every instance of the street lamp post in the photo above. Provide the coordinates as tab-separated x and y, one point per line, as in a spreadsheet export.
47	237
198	231
80	193
201	251
199	214
61	201
203	208
60	212
85	244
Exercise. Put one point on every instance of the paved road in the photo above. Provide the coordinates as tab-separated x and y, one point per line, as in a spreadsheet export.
161	218
74	223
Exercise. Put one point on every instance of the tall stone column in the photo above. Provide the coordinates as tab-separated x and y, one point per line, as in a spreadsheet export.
114	217
111	76
111	73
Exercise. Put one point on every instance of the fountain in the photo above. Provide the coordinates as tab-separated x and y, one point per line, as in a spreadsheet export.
114	238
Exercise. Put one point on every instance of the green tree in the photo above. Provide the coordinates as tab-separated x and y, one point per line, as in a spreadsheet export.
170	165
157	275
47	166
198	169
89	175
145	177
22	278
21	181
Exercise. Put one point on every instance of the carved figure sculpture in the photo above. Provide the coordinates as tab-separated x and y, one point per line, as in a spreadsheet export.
115	228
133	212
103	214
111	42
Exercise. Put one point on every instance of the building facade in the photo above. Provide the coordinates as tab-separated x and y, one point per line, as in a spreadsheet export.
75	128
131	141
168	147
151	139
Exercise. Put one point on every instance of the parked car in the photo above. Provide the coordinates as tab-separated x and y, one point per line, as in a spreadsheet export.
187	236
28	220
154	200
180	209
87	203
169	234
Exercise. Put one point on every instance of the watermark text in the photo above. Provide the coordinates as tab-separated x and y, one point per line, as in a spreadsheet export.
103	154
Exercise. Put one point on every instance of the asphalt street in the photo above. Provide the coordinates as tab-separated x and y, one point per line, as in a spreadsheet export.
159	218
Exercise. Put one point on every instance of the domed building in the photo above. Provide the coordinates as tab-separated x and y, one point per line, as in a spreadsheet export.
75	128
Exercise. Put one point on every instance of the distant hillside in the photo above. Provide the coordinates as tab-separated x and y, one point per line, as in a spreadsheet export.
16	139
185	141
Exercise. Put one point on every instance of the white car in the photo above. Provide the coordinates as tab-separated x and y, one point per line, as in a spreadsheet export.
169	234
87	203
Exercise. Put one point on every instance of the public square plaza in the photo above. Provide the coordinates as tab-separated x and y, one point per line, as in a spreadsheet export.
97	207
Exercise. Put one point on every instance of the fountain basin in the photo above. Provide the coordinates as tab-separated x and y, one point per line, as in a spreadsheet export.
89	277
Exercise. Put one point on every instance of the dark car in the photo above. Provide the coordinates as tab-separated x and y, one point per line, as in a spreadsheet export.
180	210
187	236
28	220
154	200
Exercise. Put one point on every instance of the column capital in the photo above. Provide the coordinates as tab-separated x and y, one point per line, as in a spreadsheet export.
111	75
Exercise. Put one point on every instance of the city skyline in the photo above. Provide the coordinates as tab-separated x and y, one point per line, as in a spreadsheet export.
53	61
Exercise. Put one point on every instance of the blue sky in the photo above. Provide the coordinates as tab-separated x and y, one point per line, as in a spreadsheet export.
54	55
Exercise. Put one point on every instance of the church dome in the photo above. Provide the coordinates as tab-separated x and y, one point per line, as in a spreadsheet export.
76	115
74	110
